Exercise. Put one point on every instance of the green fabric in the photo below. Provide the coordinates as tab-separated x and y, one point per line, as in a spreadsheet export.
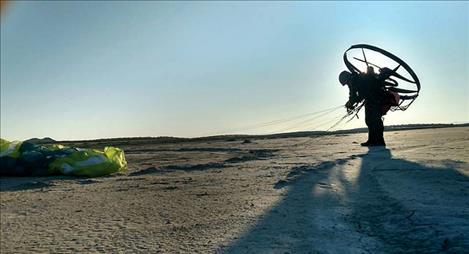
90	162
25	158
11	149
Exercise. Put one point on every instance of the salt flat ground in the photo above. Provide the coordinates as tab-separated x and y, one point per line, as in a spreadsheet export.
293	195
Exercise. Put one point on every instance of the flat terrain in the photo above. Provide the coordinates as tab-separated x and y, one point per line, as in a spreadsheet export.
322	194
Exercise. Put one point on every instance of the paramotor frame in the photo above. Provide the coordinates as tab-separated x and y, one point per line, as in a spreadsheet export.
391	83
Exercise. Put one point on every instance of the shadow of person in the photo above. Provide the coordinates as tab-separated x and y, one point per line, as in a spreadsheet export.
292	224
410	206
365	203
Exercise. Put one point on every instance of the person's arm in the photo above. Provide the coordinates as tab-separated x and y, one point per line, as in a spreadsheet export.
353	98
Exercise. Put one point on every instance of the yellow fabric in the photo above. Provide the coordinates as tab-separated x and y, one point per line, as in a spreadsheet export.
72	161
11	149
90	162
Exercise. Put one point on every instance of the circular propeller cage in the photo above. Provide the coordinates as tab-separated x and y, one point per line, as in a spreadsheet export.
401	80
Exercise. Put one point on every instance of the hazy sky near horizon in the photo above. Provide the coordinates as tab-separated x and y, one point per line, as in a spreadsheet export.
84	70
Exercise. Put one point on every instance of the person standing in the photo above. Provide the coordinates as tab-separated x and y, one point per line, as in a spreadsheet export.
368	87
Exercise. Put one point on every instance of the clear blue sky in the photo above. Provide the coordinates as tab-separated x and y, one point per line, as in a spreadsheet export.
82	70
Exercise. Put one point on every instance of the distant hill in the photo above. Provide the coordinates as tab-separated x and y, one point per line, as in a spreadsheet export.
406	127
236	137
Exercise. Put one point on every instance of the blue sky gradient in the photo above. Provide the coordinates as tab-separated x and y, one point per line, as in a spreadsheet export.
84	70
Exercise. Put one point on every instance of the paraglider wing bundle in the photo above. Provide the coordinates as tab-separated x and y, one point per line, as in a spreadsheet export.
26	159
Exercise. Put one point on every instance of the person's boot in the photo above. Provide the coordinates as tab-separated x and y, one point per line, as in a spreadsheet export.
370	143
377	144
367	143
381	142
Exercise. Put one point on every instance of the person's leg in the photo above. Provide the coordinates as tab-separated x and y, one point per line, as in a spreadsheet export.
380	130
369	124
376	126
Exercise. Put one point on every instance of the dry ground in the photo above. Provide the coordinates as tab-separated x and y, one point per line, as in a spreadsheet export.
293	195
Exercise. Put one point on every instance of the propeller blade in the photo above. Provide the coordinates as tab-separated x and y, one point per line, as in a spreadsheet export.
400	90
364	57
405	97
367	63
399	76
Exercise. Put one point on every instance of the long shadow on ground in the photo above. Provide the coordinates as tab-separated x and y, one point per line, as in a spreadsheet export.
42	183
312	218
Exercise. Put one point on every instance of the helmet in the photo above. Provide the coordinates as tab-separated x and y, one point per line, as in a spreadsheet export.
345	77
